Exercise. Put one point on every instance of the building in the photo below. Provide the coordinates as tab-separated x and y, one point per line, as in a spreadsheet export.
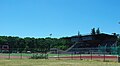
92	41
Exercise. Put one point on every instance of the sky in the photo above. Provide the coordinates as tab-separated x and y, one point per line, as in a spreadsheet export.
61	18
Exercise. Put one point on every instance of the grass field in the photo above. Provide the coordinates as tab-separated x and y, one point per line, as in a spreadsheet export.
54	62
30	54
50	55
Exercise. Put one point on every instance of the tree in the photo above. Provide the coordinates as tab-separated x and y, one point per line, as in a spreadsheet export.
98	31
30	43
21	44
93	31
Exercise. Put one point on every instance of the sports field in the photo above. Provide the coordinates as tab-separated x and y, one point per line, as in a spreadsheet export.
54	62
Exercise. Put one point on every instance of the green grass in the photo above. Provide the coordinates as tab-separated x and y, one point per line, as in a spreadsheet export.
16	54
50	55
28	54
54	62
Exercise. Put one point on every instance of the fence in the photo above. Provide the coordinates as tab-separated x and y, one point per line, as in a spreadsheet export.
103	54
21	53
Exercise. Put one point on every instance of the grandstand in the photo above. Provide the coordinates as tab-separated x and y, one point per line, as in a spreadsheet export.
87	43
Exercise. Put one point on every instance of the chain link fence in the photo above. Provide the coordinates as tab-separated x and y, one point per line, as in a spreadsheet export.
101	53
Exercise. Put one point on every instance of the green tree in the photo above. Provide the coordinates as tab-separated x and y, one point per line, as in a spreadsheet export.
21	44
30	43
93	31
98	31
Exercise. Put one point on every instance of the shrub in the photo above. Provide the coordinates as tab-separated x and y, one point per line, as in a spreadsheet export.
40	56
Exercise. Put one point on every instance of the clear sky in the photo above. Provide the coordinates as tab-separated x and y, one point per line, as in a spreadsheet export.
39	18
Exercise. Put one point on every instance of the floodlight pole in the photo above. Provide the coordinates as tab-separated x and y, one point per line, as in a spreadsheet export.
50	44
118	49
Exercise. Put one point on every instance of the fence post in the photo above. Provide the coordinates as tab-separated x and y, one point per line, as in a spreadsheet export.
72	55
21	56
91	54
58	54
104	56
80	57
119	58
9	53
118	54
46	54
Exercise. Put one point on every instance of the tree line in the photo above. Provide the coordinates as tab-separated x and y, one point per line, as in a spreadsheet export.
32	44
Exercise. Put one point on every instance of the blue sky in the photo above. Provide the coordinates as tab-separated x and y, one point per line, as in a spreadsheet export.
39	18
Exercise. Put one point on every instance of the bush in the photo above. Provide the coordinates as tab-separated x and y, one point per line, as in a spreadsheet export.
40	56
